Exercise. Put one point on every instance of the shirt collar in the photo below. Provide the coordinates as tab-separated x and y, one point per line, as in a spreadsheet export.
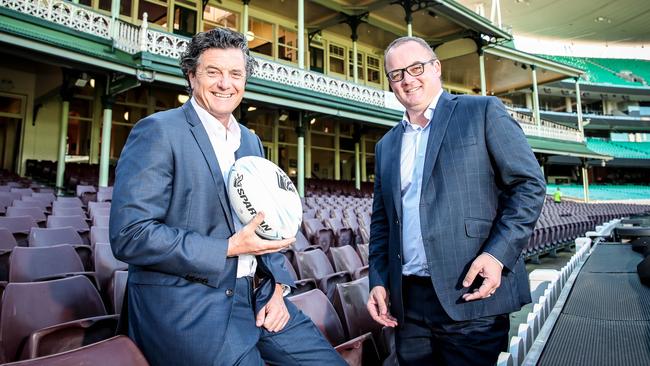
428	113
212	123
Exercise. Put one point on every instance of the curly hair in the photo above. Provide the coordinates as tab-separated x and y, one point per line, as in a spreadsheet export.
221	38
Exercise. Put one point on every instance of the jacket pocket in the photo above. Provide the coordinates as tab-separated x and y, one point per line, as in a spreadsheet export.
477	228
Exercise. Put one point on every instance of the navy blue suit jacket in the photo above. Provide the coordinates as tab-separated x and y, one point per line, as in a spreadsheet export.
482	191
170	221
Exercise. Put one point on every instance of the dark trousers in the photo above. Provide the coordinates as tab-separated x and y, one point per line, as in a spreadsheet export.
428	336
299	343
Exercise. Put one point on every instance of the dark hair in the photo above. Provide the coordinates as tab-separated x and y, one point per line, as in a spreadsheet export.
221	38
400	41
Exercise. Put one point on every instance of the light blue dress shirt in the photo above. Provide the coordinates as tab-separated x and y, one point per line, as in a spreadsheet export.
414	149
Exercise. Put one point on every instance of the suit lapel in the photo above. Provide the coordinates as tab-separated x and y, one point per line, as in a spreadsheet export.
441	116
395	143
202	139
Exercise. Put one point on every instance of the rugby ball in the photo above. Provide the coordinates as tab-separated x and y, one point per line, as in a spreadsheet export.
256	184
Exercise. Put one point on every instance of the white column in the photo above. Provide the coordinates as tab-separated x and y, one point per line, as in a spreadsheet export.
409	29
535	97
579	108
337	150
357	168
355	72
568	104
364	175
307	152
529	101
276	139
106	141
301	155
301	34
481	63
585	181
63	143
244	19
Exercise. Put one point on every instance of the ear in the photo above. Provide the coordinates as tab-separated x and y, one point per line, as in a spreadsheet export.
437	68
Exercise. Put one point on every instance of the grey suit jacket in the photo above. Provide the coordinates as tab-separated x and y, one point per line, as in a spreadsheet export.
482	191
170	221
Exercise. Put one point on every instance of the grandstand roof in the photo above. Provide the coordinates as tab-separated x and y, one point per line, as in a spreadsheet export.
613	21
565	148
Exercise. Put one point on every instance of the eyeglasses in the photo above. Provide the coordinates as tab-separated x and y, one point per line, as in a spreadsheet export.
414	70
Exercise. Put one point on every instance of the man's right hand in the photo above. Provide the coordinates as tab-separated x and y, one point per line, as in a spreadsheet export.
378	307
246	241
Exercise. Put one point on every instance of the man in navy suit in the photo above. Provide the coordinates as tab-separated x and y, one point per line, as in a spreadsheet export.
191	263
450	220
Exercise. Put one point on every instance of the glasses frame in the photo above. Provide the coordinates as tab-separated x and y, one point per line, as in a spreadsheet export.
405	69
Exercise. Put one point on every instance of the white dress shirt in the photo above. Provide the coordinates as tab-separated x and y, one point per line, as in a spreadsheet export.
225	141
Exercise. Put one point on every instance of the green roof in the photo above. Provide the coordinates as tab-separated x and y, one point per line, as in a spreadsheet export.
564	148
609	71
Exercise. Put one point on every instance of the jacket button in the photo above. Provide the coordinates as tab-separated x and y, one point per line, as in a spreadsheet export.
229	292
396	222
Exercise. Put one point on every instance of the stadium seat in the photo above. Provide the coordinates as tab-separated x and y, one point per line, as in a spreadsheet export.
68	211
43	237
303	285
346	259
357	351
99	235
44	304
105	264
314	264
18	224
318	234
101	221
77	222
35	212
118	350
34	264
71	335
362	250
116	289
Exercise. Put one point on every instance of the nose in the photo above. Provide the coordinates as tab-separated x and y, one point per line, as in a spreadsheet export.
224	81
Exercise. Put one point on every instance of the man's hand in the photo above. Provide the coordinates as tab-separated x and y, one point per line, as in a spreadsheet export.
378	307
246	241
274	315
490	269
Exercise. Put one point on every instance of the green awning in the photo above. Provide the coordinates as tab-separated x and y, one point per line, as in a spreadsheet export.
564	148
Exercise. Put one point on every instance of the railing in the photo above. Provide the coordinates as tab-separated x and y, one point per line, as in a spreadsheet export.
133	39
546	128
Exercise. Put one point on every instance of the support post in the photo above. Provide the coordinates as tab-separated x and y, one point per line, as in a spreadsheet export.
538	120
301	34
481	63
300	131
104	158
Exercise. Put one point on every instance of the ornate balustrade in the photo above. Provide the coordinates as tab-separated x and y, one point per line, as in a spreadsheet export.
546	128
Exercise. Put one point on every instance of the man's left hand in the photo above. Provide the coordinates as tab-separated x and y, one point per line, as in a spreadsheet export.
487	267
274	315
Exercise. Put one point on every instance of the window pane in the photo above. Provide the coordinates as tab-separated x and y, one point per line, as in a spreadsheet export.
184	21
260	36
215	17
287	45
316	59
337	59
157	14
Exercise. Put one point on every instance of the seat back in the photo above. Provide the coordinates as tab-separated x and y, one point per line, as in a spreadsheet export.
313	264
44	237
118	350
43	304
363	253
350	302
77	222
29	264
101	221
316	306
7	240
18	224
35	212
99	235
345	259
106	264
68	211
116	290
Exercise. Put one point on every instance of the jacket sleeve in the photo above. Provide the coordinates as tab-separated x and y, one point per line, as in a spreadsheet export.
520	181
379	230
141	199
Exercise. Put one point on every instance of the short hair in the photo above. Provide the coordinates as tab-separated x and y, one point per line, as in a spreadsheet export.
221	38
400	41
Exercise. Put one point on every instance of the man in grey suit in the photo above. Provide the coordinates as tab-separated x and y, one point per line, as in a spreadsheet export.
191	263
449	222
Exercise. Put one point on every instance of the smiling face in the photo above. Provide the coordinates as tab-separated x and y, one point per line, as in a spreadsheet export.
415	93
219	80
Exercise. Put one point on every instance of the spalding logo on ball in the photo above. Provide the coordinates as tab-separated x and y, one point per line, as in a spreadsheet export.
256	184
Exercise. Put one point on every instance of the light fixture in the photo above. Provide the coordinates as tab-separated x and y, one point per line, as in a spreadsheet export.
92	83
283	116
126	115
602	19
251	108
327	130
603	163
82	80
250	36
313	120
182	98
